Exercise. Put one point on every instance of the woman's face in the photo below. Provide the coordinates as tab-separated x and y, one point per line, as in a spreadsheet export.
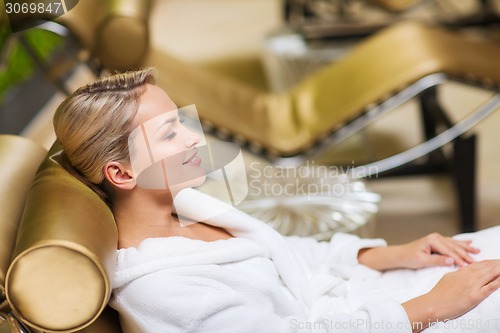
164	150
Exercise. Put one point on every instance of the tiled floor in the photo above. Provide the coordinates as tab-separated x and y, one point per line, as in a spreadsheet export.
198	30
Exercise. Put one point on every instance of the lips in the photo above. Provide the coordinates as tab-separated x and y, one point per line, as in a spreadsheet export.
193	159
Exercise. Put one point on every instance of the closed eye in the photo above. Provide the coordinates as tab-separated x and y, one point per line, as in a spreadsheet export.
171	135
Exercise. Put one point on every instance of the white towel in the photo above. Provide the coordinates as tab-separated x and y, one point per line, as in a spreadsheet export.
258	281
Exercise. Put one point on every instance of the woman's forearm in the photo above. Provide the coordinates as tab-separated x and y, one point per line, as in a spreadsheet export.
420	312
380	258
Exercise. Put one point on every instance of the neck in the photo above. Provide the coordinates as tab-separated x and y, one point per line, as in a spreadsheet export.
141	214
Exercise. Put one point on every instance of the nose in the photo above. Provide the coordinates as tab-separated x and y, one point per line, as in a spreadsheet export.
192	139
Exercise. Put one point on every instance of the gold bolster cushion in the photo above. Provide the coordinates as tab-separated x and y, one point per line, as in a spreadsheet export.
122	39
117	31
19	160
59	279
289	123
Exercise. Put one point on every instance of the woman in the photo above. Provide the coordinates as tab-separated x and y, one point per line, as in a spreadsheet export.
232	273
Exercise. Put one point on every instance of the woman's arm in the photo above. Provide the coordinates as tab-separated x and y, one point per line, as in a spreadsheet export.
431	250
455	294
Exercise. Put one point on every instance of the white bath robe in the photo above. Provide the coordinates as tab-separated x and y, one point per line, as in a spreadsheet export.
259	281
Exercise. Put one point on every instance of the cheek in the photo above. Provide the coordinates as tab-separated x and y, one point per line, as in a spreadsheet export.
167	150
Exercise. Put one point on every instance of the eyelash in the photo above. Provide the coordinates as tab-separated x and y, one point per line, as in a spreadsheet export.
173	134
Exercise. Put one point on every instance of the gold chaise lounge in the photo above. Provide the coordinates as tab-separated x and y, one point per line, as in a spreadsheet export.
58	277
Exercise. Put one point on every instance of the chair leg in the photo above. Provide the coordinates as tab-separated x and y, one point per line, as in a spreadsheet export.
433	117
464	177
460	165
463	161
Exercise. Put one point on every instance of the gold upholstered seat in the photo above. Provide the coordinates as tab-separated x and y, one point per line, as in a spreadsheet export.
55	275
19	159
58	277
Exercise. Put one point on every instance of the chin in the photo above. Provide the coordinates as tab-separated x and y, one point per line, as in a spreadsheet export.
194	182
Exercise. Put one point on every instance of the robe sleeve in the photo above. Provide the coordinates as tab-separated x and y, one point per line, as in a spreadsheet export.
341	250
199	307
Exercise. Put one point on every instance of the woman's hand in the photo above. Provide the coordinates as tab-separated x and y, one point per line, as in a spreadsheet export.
431	250
435	250
455	294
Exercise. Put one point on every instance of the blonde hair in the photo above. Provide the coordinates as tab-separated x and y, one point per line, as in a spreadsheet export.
93	125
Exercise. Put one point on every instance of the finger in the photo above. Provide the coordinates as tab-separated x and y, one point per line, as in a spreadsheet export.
459	251
466	250
489	288
451	251
439	260
490	276
462	254
466	244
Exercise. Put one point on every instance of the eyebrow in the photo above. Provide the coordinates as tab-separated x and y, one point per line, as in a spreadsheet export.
166	122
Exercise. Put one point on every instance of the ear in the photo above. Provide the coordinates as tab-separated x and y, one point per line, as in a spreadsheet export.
119	175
